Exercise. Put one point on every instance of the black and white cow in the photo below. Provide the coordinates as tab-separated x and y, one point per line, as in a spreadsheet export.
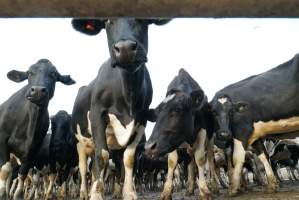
117	98
24	117
258	107
182	117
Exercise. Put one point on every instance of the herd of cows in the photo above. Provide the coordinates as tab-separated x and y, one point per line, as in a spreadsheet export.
102	147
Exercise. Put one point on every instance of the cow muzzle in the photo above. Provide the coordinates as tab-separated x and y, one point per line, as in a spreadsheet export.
150	149
37	94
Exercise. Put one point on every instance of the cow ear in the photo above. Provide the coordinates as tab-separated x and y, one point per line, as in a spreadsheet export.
17	76
159	21
241	106
88	26
65	79
196	98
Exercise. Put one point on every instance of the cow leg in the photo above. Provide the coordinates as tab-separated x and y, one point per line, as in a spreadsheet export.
35	180
19	191
172	163
238	160
83	171
191	176
129	192
200	159
48	194
272	182
214	178
117	188
12	188
5	172
8	182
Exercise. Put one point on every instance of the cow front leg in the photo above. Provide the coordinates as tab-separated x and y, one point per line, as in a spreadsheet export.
48	194
129	192
19	191
83	171
214	178
191	176
35	180
200	159
238	160
168	185
5	172
272	185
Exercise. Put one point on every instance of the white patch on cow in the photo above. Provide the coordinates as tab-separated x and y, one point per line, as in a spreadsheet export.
282	126
238	160
129	155
120	133
49	128
5	171
200	160
168	98
222	100
89	124
268	168
172	163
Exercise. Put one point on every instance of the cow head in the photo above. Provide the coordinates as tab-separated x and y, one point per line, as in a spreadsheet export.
62	136
174	122
127	38
223	110
42	77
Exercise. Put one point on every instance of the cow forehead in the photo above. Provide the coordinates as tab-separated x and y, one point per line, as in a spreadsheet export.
222	100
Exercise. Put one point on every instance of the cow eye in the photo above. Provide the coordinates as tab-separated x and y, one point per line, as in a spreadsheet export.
30	73
177	110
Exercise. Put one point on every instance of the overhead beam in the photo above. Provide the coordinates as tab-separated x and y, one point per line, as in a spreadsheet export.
149	8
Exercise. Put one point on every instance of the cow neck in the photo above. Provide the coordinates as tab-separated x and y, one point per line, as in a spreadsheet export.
132	84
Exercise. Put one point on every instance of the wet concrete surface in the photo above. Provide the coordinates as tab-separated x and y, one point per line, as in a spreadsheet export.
289	190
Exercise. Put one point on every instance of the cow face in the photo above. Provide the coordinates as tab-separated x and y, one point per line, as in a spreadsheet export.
61	129
174	122
127	39
223	110
42	77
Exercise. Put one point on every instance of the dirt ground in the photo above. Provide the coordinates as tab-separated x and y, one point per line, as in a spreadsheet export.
288	191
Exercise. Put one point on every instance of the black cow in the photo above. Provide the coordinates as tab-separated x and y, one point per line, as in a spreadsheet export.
58	150
260	106
24	117
183	117
117	98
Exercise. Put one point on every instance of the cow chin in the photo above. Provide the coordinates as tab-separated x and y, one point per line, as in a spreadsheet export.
159	152
38	101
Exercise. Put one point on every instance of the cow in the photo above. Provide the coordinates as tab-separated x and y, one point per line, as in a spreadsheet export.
116	99
58	153
261	106
24	117
183	117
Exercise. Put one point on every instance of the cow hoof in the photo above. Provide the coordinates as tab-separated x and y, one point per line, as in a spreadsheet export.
165	197
130	196
2	195
272	188
18	195
96	196
189	193
83	195
233	193
117	192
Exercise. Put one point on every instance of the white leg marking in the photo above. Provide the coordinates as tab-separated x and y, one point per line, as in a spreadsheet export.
129	154
272	182
238	159
172	163
5	172
200	159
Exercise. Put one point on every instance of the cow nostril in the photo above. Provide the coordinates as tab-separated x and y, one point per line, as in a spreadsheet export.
116	48
43	90
153	146
134	46
32	89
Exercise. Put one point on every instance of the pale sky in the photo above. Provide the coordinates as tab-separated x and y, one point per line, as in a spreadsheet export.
216	52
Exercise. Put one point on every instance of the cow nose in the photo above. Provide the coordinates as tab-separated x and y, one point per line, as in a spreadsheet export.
224	135
124	47
150	146
37	91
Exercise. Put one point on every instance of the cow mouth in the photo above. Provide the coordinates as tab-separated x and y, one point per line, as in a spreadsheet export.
222	144
37	100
